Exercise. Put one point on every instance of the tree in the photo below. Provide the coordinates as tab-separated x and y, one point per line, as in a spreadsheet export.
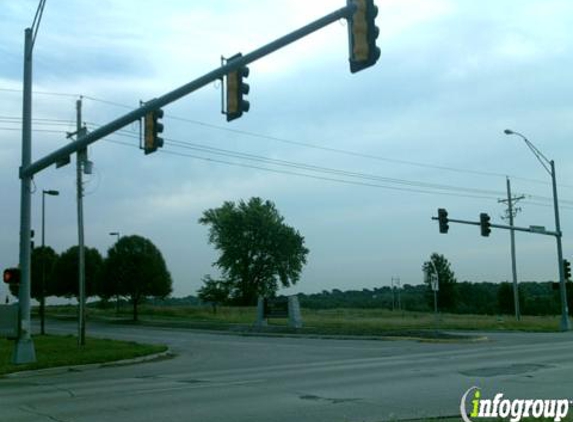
135	268
447	294
257	249
213	291
66	272
505	298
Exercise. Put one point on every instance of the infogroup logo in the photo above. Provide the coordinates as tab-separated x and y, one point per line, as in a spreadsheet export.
515	409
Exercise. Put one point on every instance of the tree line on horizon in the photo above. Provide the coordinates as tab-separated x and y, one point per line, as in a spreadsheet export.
535	298
133	270
488	298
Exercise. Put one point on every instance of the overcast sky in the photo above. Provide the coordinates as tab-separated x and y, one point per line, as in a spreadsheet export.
420	130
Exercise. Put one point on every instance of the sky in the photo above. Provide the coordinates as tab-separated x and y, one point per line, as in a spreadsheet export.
357	163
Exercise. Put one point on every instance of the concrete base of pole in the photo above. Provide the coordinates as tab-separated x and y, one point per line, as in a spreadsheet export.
24	352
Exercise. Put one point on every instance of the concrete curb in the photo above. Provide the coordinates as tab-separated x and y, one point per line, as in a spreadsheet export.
420	339
167	354
248	331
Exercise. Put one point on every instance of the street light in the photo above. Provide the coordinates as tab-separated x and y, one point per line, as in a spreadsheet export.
117	295
549	166
43	286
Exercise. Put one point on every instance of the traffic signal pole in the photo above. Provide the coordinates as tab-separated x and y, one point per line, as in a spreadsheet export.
24	351
29	170
565	325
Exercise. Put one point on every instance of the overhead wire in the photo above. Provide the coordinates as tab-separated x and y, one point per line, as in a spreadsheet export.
313	146
435	188
284	163
313	168
349	182
437	191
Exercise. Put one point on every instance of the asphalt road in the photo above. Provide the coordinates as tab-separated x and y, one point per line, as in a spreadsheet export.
219	377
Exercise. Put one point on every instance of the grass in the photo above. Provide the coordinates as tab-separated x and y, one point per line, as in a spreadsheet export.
53	351
332	321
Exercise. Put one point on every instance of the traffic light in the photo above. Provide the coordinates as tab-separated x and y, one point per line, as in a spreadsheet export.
236	89
12	276
484	223
152	129
443	220
566	269
362	34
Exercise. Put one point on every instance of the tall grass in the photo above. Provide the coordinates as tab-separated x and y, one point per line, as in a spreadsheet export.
347	321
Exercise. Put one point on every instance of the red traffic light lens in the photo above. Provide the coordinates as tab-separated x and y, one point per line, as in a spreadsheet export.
11	276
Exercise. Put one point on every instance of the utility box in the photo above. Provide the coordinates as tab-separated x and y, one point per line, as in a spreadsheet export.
9	321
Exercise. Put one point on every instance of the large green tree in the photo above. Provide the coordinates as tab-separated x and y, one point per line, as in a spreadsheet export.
447	294
258	251
135	268
66	272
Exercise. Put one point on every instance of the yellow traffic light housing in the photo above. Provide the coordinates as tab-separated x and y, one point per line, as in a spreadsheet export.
236	89
152	129
362	34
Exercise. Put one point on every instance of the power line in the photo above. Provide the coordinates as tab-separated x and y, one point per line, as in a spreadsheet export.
328	149
435	188
308	167
35	130
53	94
342	181
348	182
313	146
316	169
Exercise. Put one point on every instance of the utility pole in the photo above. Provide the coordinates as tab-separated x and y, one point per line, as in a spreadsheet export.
510	214
81	159
393	293
395	282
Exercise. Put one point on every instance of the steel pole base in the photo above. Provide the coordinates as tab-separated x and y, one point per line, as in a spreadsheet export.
24	352
565	324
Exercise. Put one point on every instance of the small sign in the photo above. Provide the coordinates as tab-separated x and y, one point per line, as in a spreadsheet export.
276	307
434	282
537	229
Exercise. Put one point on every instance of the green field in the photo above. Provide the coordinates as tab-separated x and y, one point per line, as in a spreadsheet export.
333	321
53	351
